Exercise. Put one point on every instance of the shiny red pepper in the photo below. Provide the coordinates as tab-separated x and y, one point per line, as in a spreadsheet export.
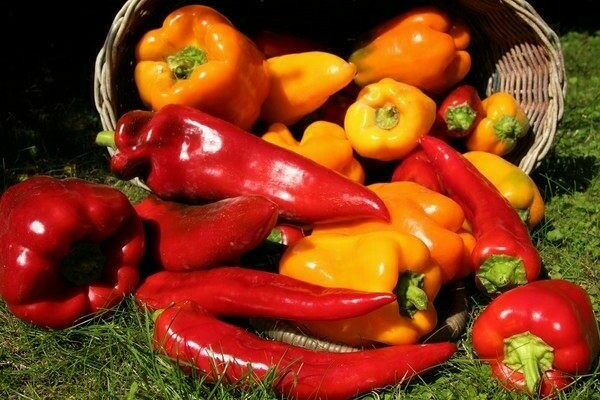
416	167
459	112
218	351
187	237
68	249
243	292
182	153
504	255
539	336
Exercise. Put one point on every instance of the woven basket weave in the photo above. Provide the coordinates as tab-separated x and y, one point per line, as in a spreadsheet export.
512	49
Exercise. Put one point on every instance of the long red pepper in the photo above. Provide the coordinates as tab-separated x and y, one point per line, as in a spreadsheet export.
504	254
244	292
182	153
195	339
193	236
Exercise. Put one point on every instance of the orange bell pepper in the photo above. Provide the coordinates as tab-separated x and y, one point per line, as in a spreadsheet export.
432	217
387	119
301	83
198	58
504	123
323	142
384	261
424	47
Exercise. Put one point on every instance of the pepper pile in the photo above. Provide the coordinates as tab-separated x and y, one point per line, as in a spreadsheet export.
371	181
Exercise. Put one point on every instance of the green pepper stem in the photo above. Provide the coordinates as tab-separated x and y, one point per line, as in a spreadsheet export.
387	117
460	118
500	272
530	355
106	139
508	129
182	64
410	293
275	236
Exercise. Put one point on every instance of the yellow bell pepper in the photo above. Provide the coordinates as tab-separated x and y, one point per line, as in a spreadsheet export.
302	82
504	123
387	119
199	59
414	209
323	142
385	261
513	183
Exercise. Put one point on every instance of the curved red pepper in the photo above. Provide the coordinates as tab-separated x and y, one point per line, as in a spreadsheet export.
459	112
49	231
538	336
245	292
416	167
187	237
183	153
195	339
504	255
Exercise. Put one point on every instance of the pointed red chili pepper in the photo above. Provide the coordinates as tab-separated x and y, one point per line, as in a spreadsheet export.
182	153
504	255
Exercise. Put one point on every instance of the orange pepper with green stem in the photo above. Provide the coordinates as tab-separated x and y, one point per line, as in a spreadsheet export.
387	119
385	261
323	142
505	122
198	58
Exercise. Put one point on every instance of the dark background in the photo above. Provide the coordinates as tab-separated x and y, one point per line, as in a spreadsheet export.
47	107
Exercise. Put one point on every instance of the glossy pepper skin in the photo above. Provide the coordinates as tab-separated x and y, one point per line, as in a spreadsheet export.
460	112
232	291
387	119
302	82
198	58
193	236
416	167
538	336
505	122
323	142
423	47
514	184
182	153
381	261
51	231
199	342
504	255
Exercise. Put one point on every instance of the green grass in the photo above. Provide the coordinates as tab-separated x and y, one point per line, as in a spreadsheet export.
111	358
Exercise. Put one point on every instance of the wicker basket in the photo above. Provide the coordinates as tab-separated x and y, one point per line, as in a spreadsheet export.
512	50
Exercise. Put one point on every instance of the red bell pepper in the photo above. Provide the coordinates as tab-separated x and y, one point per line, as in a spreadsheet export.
182	153
69	248
187	237
416	167
538	336
200	343
504	255
244	292
459	112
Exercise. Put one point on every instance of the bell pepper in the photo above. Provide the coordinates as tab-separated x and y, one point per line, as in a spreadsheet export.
387	119
539	336
505	122
416	167
460	112
513	183
323	142
217	351
430	216
198	58
69	249
423	47
302	82
184	154
194	236
504	255
275	43
382	261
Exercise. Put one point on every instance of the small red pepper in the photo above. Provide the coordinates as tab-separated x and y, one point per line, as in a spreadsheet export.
193	236
504	255
459	112
182	153
68	248
285	234
201	343
416	167
538	336
243	292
